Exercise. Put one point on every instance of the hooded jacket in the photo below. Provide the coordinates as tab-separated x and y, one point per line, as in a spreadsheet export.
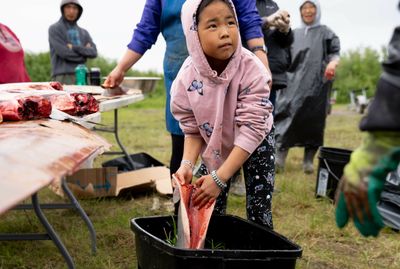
300	113
226	110
163	16
12	65
317	20
384	112
63	59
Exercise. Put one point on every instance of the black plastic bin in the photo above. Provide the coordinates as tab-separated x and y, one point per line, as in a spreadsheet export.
246	245
140	160
330	169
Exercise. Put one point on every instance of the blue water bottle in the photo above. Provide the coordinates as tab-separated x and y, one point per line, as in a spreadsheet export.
81	74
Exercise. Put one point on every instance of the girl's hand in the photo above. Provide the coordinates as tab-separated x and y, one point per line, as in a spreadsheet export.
184	175
206	193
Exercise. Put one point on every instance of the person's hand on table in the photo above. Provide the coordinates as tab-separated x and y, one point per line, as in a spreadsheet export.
115	78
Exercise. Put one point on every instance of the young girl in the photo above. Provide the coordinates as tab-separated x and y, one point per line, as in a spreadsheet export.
220	98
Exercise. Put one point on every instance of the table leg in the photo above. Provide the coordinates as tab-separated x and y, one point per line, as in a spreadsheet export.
82	213
53	235
129	159
121	146
50	235
73	205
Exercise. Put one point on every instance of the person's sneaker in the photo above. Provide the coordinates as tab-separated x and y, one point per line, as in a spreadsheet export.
308	168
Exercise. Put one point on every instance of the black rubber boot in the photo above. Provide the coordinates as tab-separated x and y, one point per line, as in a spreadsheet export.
280	159
309	154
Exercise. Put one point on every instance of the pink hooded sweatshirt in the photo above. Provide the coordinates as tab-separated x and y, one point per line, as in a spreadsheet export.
228	110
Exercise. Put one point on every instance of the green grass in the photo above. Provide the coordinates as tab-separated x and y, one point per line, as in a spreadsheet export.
297	214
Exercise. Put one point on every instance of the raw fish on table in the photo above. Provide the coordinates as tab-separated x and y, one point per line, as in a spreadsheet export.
27	101
25	108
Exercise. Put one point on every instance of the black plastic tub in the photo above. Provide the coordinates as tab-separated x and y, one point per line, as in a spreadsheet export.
140	160
245	245
330	169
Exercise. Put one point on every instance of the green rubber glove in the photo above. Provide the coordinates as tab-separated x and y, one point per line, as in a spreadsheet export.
361	162
367	227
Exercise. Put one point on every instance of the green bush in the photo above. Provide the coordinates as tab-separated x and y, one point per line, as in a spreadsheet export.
39	69
38	66
358	69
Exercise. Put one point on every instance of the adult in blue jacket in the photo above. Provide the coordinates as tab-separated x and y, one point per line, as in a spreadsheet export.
163	16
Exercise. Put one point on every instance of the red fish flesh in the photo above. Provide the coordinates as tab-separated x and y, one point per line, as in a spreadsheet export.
192	222
25	108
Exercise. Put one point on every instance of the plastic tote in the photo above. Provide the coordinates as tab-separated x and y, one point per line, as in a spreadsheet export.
241	244
389	204
330	170
140	160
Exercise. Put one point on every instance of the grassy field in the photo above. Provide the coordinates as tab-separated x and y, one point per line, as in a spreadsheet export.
297	214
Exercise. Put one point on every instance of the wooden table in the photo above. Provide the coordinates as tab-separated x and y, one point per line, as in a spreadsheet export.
36	154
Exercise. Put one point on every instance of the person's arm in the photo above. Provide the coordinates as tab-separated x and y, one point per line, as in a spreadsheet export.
59	44
116	76
88	49
333	51
253	119
262	55
191	152
249	19
284	40
253	115
181	110
149	27
144	36
250	27
208	189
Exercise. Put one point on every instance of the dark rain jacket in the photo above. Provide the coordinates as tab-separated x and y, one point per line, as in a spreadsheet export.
278	45
301	108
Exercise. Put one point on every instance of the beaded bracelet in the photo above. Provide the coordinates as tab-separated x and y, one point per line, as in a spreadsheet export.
188	163
218	181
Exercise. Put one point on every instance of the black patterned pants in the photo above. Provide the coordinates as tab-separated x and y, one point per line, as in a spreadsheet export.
259	175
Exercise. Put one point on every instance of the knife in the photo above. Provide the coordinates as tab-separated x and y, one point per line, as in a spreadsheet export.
115	91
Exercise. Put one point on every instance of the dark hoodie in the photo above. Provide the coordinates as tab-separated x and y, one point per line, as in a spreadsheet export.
63	59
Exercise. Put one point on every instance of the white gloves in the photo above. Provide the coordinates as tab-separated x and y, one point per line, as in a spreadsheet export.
279	20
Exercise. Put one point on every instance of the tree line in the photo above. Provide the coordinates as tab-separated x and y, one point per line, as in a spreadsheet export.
358	69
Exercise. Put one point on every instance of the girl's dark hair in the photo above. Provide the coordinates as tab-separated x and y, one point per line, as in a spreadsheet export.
205	3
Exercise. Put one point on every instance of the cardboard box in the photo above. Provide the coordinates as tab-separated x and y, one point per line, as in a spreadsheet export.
105	182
